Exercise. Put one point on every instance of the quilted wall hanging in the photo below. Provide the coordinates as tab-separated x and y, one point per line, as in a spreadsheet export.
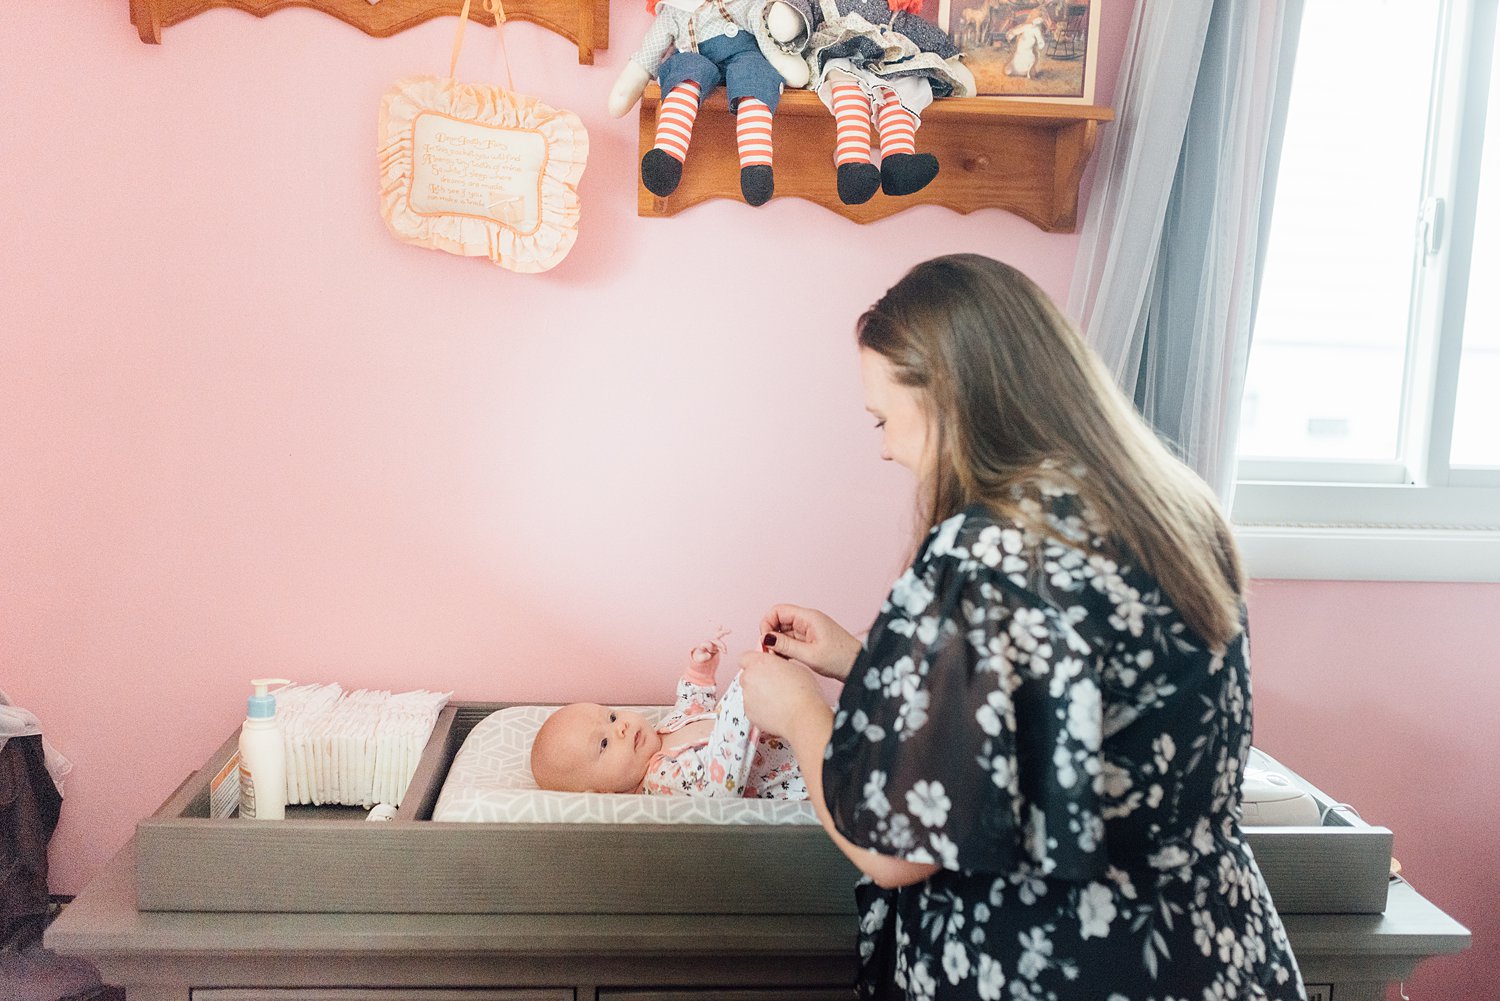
479	170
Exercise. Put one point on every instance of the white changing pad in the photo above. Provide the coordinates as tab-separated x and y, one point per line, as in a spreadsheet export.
490	780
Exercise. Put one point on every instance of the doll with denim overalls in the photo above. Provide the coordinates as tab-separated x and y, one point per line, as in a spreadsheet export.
692	47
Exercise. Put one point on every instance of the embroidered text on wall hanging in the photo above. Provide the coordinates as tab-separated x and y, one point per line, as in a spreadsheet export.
479	170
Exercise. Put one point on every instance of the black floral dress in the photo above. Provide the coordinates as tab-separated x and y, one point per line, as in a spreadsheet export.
1034	717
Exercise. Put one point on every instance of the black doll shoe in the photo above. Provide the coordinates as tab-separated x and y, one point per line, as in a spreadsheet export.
858	182
757	183
907	173
661	172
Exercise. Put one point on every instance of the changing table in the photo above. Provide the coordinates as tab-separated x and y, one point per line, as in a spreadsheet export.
322	909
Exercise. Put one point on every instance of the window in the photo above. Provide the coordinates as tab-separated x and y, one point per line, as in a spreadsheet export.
1369	439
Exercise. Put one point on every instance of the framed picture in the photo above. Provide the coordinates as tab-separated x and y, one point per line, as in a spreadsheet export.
1037	50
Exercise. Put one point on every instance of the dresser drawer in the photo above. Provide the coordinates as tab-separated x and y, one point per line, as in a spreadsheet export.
719	994
382	994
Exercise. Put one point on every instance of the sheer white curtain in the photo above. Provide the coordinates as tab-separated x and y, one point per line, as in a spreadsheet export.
1168	263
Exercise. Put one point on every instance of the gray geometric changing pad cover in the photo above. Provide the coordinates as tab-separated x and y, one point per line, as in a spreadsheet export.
490	781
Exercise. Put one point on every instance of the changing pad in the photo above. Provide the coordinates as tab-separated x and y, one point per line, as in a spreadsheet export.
490	780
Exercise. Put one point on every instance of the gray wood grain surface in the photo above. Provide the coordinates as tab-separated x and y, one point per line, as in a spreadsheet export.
318	862
315	861
161	956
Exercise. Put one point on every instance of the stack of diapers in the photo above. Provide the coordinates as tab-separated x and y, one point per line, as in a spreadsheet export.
490	781
353	748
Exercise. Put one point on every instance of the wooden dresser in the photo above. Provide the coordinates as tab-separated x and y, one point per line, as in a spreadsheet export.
192	956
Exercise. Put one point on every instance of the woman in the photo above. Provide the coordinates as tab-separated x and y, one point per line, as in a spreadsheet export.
1036	760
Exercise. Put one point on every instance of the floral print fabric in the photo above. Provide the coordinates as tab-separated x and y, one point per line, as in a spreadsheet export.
735	760
1030	714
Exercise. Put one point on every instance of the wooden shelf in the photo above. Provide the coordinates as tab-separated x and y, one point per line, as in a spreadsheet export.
1021	156
583	22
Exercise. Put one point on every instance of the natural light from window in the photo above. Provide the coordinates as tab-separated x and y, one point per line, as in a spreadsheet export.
1476	419
1326	367
1369	444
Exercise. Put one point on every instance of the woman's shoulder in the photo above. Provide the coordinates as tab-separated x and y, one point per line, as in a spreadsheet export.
1041	511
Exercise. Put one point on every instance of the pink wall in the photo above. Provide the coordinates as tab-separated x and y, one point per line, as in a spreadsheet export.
245	431
1384	695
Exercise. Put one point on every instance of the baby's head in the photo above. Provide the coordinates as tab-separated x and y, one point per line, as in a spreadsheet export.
585	747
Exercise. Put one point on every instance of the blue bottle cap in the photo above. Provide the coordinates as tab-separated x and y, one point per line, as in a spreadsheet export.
262	705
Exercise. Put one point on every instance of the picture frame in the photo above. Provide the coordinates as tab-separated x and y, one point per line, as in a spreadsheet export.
1027	50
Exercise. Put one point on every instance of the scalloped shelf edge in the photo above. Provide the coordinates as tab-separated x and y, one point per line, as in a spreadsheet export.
589	18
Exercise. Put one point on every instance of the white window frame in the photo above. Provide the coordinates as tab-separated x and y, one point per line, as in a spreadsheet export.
1417	519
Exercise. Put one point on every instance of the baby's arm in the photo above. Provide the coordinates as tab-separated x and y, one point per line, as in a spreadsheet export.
697	692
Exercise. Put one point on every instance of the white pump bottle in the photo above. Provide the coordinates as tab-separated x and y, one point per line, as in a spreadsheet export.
262	756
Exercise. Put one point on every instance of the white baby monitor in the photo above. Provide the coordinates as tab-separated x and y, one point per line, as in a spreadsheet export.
1271	799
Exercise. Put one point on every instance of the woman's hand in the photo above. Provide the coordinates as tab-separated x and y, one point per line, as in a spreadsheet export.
782	698
809	636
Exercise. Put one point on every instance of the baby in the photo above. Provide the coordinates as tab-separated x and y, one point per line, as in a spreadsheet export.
705	747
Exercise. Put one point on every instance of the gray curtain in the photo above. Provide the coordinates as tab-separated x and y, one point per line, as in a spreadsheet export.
1169	261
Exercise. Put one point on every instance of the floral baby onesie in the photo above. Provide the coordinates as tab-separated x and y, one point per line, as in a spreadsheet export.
736	759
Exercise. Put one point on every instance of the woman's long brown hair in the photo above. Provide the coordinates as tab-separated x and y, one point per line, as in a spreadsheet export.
1010	384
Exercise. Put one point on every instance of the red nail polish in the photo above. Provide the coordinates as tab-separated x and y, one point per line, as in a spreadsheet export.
768	641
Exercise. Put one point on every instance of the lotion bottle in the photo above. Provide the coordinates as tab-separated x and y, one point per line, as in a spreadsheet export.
262	756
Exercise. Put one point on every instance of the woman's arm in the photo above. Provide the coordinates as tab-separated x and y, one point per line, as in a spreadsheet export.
885	870
782	698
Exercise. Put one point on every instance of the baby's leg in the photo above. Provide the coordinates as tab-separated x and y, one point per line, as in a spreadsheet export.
731	746
770	770
774	773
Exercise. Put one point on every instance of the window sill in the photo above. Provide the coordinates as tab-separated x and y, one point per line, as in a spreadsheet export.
1273	552
1351	531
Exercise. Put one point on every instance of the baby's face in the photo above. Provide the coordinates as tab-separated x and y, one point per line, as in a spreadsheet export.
599	749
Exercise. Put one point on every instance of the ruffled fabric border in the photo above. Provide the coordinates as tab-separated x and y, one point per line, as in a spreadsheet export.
567	144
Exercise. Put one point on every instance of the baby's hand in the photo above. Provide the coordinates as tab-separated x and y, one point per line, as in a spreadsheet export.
706	655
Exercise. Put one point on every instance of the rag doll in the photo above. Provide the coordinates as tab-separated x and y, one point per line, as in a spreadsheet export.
870	60
692	46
